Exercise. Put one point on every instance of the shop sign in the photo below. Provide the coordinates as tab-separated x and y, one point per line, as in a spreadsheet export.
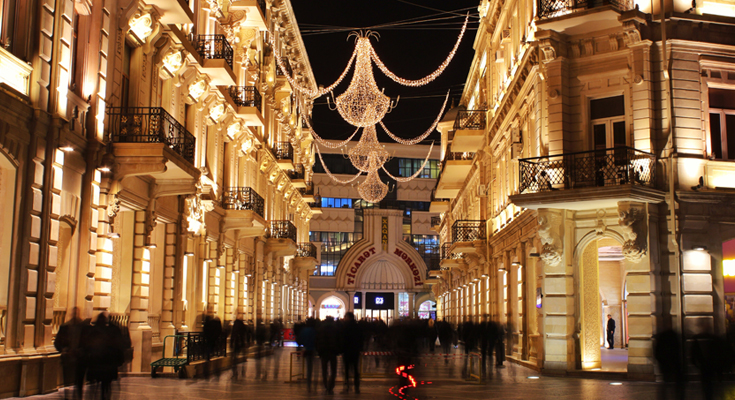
414	268
356	266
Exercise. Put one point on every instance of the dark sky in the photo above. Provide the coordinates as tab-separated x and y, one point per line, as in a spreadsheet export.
410	50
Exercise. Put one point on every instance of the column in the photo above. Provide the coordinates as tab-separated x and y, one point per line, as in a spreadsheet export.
140	331
99	271
169	267
230	285
411	305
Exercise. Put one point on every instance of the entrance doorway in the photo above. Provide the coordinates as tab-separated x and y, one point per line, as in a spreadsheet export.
602	281
333	307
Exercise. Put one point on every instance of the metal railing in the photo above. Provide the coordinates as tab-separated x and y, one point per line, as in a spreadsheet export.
213	47
308	190
246	96
468	230
436	221
470	119
296	173
316	204
283	150
282	229
597	168
150	125
197	347
243	198
446	253
555	8
306	250
120	320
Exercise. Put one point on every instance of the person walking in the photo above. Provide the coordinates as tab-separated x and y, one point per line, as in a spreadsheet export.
610	332
307	338
328	345
104	350
68	343
237	342
351	349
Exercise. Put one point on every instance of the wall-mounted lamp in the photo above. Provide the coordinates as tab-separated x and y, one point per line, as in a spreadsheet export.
151	245
515	264
188	253
66	149
113	235
104	169
484	275
220	266
248	275
699	247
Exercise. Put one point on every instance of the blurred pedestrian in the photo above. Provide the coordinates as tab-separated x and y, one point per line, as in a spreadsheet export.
351	349
610	332
668	355
68	343
237	342
328	346
104	350
445	338
261	334
712	355
307	338
431	334
500	347
212	332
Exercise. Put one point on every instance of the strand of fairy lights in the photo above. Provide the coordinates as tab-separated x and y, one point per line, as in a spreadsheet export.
368	155
421	137
327	144
427	79
416	174
309	92
334	178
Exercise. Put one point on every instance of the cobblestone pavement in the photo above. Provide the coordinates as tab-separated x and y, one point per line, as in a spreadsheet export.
435	378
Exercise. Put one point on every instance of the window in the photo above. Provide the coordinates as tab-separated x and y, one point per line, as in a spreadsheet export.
408	166
608	122
335	202
333	246
721	144
428	247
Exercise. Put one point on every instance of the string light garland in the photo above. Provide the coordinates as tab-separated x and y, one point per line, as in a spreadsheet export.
368	155
334	178
421	137
416	174
427	79
327	144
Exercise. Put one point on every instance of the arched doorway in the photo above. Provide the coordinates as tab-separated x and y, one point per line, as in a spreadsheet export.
333	307
602	285
427	310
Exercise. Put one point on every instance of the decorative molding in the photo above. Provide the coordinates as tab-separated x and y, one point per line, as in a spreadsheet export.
550	224
633	225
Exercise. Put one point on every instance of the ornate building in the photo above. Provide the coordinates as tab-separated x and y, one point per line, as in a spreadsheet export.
153	166
587	173
374	259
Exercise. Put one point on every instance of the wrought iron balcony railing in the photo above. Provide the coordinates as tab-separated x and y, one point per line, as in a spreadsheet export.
283	150
308	190
468	230
596	168
459	156
150	125
306	250
446	254
470	119
246	96
243	198
316	204
296	173
556	8
436	221
282	229
212	47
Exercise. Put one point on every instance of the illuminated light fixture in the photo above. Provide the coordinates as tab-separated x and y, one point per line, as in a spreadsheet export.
66	149
484	275
533	377
237	271
113	235
699	247
172	62
220	266
248	275
728	267
515	264
197	89
216	112
188	253
151	245
233	130
616	383
141	26
104	169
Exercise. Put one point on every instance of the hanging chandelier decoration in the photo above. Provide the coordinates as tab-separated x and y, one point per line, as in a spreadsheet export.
364	105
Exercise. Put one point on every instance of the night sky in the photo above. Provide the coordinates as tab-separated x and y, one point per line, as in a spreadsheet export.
410	51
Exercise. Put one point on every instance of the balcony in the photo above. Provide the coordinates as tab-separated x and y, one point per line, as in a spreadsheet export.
576	17
281	238
436	223
306	250
455	168
587	180
244	210
283	152
316	207
211	53
247	102
307	192
297	177
469	130
149	141
287	65
255	12
173	11
449	259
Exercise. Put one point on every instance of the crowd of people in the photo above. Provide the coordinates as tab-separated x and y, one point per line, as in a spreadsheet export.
92	351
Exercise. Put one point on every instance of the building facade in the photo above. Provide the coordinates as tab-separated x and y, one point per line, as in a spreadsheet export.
375	259
153	166
587	174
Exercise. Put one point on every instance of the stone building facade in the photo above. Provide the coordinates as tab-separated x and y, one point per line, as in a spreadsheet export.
586	174
153	165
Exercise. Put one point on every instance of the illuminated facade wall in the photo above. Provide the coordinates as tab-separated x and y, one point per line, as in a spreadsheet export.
153	166
561	170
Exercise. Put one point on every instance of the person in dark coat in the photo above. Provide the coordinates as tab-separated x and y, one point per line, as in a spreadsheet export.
68	343
352	347
445	338
610	332
237	342
667	352
307	338
500	346
328	346
103	347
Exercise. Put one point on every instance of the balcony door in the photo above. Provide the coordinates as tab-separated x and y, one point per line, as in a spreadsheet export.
607	116
722	124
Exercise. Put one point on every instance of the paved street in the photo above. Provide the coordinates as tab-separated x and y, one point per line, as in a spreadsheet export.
435	380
